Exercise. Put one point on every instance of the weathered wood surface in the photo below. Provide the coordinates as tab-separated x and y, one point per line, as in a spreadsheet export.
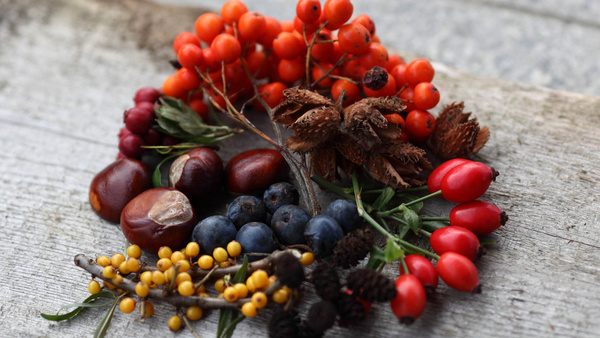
69	68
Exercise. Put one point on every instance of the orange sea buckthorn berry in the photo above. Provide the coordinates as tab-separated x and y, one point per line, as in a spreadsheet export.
242	290
164	252
249	309
207	26
177	256
123	268
163	264
234	249
206	262
194	313
280	296
250	284
220	285
186	288
158	277
232	10
146	277
307	258
260	278
103	261
94	287
127	305
142	289
117	259
148	309
182	277
109	272
192	249
174	323
220	255
117	280
259	299
230	294
183	266
134	251
169	274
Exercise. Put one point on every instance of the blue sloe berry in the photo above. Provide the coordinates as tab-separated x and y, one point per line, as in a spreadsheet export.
345	214
323	233
288	224
245	209
212	232
280	194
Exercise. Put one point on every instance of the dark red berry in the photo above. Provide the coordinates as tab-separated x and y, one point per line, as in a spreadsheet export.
138	120
146	94
131	145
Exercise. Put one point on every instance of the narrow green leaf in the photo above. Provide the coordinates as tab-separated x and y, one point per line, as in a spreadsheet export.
376	258
87	303
228	318
156	175
240	275
412	219
392	251
228	331
105	322
405	198
384	198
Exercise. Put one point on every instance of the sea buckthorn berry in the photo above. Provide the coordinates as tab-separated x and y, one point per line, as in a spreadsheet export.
204	294
307	258
481	217
192	249
170	274
117	259
250	284
193	313
220	255
186	288
225	264
177	256
123	268
287	46
280	296
142	289
419	70
260	278
249	309
272	29
234	249
147	307
127	305
134	251
365	20
174	323
103	261
241	289
337	13
185	38
226	48
230	294
467	182
146	277
309	11
183	266
94	287
200	289
354	39
108	285
165	252
419	125
163	264
458	272
207	26
259	299
220	285
182	277
291	71
251	26
232	10
426	96
109	272
158	277
206	262
351	94
272	279
190	56
117	279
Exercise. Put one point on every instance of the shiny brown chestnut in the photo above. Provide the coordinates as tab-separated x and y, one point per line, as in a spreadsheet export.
198	173
158	217
255	170
113	187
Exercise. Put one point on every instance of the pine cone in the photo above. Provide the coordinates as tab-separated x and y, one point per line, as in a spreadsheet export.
321	316
289	271
284	324
370	285
351	311
326	281
353	247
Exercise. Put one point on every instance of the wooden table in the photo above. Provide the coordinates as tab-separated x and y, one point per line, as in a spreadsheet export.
68	68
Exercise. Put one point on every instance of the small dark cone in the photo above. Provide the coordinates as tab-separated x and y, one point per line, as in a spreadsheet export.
351	311
289	271
326	281
370	285
353	247
284	324
321	316
306	332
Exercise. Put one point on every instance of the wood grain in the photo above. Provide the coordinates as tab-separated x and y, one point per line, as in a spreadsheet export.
69	68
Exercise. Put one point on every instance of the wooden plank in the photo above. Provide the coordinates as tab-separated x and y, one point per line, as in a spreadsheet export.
69	68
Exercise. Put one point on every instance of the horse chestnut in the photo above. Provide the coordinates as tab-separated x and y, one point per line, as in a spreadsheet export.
255	170
197	173
113	187
158	217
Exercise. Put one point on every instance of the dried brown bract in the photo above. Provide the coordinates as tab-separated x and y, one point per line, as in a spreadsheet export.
455	135
358	136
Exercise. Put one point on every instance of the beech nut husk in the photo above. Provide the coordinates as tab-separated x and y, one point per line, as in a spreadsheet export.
158	217
254	171
198	173
114	186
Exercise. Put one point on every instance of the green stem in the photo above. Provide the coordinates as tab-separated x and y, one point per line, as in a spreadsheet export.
416	249
404	267
416	189
425	233
420	199
332	187
431	218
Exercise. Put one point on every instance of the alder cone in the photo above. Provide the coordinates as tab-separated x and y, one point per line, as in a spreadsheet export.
338	139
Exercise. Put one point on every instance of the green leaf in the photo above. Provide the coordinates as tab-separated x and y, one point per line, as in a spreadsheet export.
87	303
228	331
383	199
412	219
228	318
240	275
405	198
105	322
404	231
376	259
393	251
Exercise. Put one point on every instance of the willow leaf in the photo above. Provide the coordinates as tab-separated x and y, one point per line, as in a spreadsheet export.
87	303
105	322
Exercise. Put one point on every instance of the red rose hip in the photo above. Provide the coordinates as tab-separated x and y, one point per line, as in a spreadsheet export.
467	182
480	217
